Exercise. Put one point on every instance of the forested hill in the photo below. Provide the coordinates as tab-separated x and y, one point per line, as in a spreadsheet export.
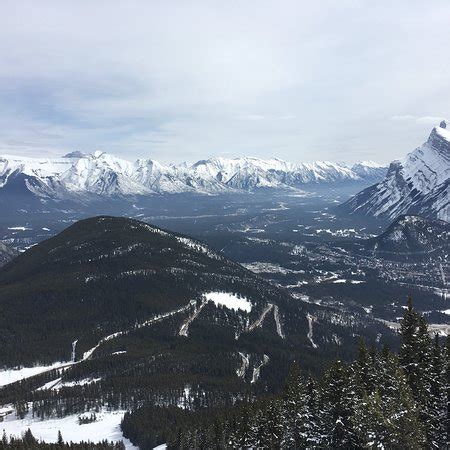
105	274
102	276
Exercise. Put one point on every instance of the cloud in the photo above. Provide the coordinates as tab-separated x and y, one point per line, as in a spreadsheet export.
252	117
185	80
404	117
425	119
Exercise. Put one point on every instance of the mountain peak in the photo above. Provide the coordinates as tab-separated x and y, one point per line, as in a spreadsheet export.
75	154
417	184
440	138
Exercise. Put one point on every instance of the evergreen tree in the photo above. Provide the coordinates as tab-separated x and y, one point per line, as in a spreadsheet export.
337	403
299	411
364	373
268	426
447	391
369	422
416	361
437	400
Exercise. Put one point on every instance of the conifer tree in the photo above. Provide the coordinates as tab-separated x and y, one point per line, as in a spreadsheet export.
364	369
447	391
299	411
416	361
337	403
406	428
369	422
437	400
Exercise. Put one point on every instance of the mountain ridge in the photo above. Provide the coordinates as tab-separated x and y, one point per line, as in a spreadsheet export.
106	175
419	184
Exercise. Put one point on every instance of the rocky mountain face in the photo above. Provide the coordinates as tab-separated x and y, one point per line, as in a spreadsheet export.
412	238
418	184
99	174
6	254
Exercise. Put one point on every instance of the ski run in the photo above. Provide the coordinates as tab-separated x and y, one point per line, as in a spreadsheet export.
260	321
310	332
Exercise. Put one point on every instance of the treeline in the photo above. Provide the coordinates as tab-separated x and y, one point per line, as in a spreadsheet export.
28	442
381	400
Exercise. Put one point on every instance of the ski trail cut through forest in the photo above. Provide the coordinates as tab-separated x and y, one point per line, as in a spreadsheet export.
441	269
148	322
258	323
88	354
74	350
310	332
276	316
257	370
241	371
184	330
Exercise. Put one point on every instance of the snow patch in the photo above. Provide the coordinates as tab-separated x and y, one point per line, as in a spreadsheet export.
107	426
229	300
12	375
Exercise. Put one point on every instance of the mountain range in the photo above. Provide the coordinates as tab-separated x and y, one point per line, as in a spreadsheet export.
418	184
100	174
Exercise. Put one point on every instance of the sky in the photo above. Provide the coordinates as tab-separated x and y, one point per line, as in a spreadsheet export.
186	80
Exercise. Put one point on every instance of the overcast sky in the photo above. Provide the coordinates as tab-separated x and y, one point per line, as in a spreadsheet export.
185	80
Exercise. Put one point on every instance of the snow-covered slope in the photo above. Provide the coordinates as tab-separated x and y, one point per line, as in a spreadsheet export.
102	174
418	184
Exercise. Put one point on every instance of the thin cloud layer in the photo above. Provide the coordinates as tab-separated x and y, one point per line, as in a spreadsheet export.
191	79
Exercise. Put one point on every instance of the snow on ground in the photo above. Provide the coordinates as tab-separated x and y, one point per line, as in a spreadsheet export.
184	330
231	301
311	319
341	280
265	267
13	375
107	426
257	370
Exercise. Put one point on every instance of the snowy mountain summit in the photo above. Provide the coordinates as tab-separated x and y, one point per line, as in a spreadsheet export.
418	184
105	175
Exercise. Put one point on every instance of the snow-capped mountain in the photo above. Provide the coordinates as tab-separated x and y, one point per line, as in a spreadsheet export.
418	184
102	174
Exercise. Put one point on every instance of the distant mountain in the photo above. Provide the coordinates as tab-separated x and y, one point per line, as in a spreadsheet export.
80	177
412	238
6	254
75	154
418	184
